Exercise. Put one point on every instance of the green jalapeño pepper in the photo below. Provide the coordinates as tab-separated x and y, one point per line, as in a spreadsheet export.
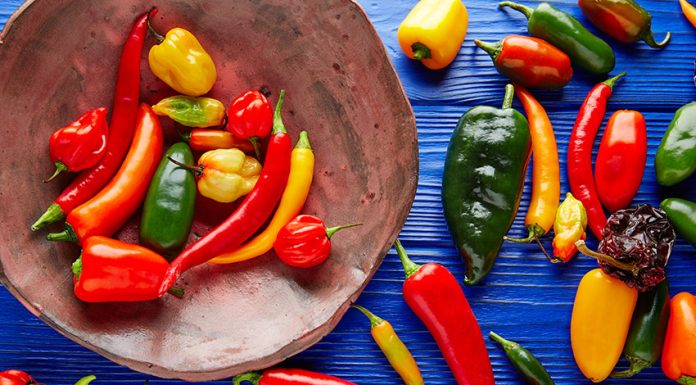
534	373
648	329
675	159
168	208
682	214
482	183
565	32
624	20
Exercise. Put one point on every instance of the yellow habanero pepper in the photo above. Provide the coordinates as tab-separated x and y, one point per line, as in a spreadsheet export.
291	203
433	32
569	227
181	62
601	318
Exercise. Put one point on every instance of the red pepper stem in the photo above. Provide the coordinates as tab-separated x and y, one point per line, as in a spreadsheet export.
509	94
612	81
649	38
374	320
303	141
410	267
86	380
637	365
67	235
255	142
154	33
582	247
253	377
332	230
493	49
197	170
421	51
278	126
176	291
77	268
53	214
517	7
60	167
686	380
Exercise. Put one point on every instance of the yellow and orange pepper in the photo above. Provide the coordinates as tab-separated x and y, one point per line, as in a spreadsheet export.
689	11
569	227
434	31
679	352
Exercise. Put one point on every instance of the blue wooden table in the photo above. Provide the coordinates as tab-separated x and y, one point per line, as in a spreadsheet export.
524	298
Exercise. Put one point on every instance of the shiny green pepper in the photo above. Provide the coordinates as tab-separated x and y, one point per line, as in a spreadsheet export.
533	371
682	214
191	111
675	159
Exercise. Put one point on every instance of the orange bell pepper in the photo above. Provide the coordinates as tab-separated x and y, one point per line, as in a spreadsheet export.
679	352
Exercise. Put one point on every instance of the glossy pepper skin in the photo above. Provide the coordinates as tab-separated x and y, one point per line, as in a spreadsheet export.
16	377
624	20
482	182
433	32
680	343
169	204
226	175
433	293
568	227
599	325
281	376
201	139
647	333
621	159
689	11
585	50
80	144
675	159
531	369
529	62
682	214
250	117
191	111
393	348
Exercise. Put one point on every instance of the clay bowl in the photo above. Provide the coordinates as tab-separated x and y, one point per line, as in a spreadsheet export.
58	59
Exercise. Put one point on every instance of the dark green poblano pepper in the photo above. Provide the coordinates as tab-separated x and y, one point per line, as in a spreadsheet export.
675	159
529	367
482	183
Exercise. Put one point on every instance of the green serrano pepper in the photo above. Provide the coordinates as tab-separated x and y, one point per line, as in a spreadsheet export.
562	30
647	332
533	371
682	214
675	159
482	182
168	209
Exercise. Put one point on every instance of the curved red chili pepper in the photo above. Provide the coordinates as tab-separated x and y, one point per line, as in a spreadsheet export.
580	177
250	117
15	377
288	377
123	116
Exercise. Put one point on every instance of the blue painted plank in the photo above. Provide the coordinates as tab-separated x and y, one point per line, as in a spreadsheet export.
524	298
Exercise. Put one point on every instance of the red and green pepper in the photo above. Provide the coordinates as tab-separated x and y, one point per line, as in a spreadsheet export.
250	117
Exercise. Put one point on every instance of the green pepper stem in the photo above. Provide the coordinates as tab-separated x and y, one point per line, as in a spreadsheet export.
77	267
637	365
686	380
649	38
410	267
255	143
509	94
332	230
154	33
53	214
517	7
374	320
252	377
86	380
197	170
421	51
278	126
612	81
67	235
535	231
493	49
506	344
303	141
60	167
582	247
176	291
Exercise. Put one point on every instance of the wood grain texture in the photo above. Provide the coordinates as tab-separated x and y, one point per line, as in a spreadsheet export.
524	298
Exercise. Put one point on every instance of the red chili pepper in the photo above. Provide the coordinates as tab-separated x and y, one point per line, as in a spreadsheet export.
203	139
305	241
582	138
250	214
250	117
288	377
15	377
107	211
621	159
123	117
80	144
433	293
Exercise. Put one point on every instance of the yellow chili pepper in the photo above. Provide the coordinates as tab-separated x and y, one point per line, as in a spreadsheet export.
393	348
191	111
434	31
598	328
569	227
291	203
689	11
181	62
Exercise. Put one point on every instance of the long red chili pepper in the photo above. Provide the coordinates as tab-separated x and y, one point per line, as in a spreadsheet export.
433	293
582	183
282	376
123	115
250	214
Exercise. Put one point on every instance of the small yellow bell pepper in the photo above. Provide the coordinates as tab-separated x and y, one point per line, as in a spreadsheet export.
569	227
434	31
181	62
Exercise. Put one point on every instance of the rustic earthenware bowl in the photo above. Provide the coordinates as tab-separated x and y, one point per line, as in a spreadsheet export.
58	58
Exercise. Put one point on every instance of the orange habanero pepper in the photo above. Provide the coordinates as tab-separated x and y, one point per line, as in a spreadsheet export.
679	353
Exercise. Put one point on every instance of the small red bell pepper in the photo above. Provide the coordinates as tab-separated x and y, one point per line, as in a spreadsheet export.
15	377
679	352
288	377
250	117
80	144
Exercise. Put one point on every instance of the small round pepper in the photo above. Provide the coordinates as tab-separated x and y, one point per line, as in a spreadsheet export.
191	111
250	118
569	227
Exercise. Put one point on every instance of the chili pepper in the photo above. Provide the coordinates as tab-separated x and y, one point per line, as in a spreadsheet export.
86	380
647	333
433	32
191	111
582	137
393	348
624	20
81	144
305	241
569	227
675	159
433	293
585	50
16	377
250	118
682	215
680	343
482	182
529	62
291	203
123	118
169	204
107	211
546	174
282	376
599	325
689	11
201	139
533	371
621	159
180	61
251	213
